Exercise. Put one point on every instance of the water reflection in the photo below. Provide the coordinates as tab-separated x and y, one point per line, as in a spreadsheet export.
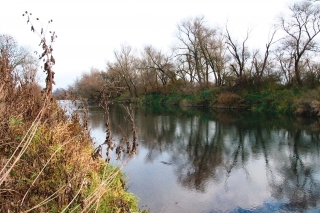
220	160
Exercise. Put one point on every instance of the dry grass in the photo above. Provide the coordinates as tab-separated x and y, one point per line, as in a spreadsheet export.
228	100
46	162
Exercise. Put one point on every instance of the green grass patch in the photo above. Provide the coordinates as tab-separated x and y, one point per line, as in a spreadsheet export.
278	101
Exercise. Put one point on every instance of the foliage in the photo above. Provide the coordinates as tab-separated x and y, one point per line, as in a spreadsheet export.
307	104
270	101
274	99
201	98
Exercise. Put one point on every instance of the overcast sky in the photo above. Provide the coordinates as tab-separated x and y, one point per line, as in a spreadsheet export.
90	30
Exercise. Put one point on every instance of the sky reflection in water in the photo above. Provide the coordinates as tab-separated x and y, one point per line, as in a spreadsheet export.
190	160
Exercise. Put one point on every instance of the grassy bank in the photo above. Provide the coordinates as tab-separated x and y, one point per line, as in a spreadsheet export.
47	165
277	100
46	157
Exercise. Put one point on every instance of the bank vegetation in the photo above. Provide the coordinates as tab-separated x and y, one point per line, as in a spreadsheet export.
210	66
47	159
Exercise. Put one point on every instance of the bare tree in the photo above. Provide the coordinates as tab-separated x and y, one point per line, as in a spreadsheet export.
161	63
18	69
16	55
239	52
125	66
20	61
90	84
260	64
189	52
286	66
201	53
213	49
301	29
151	78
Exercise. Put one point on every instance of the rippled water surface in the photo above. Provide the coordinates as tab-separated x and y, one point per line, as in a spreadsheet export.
193	160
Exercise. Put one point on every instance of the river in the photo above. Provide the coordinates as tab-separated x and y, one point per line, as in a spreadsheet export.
197	160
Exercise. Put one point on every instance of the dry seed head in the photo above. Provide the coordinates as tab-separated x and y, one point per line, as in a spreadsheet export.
53	60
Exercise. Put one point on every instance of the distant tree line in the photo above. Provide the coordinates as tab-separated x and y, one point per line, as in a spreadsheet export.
204	57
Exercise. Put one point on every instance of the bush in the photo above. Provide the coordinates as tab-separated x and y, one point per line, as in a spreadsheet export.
228	100
307	104
270	101
185	103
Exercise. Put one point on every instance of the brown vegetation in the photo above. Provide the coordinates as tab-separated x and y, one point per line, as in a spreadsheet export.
46	162
228	100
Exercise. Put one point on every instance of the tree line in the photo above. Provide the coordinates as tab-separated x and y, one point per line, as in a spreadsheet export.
204	57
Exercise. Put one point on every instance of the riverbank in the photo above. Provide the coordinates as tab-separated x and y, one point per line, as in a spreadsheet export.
46	159
301	102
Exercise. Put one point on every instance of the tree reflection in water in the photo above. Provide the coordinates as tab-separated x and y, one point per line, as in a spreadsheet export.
211	147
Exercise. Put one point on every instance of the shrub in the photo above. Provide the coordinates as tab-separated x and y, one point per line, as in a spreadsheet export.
228	99
185	103
270	100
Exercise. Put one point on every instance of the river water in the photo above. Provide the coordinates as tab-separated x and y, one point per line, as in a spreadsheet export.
196	160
